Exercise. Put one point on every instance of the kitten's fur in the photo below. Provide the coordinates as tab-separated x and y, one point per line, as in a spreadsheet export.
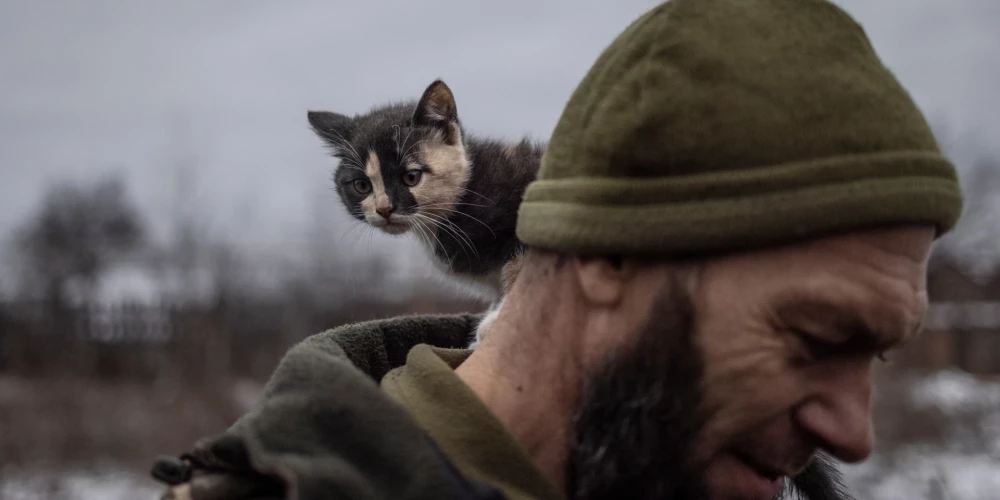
462	204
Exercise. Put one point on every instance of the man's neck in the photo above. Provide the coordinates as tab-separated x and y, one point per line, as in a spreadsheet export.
532	389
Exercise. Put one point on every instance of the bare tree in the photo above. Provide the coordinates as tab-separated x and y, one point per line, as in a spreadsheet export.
975	242
77	232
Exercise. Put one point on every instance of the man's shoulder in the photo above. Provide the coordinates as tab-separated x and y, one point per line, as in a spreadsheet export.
377	346
325	429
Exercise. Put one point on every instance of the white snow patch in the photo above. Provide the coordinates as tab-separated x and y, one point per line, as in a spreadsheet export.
79	485
953	391
919	475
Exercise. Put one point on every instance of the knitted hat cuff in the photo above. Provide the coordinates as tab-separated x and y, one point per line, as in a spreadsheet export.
737	209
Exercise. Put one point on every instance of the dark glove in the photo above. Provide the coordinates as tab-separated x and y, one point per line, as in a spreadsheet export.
221	472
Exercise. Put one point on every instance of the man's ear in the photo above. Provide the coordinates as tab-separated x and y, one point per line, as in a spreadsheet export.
603	280
335	128
437	109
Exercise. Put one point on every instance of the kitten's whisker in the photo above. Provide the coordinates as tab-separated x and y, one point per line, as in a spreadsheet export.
344	154
370	234
453	229
450	232
348	144
411	147
359	169
349	231
354	246
472	205
467	190
351	162
364	233
416	229
471	217
432	205
429	230
444	208
401	155
423	232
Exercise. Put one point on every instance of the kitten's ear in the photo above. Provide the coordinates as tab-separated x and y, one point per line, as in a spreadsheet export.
333	127
436	108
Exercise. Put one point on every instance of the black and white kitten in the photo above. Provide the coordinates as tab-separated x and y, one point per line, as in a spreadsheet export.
411	167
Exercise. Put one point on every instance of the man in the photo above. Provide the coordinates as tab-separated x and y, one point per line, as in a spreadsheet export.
732	222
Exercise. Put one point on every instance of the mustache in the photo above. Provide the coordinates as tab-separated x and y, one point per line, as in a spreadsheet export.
820	480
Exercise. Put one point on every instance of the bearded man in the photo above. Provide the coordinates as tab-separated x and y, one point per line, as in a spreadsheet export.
731	224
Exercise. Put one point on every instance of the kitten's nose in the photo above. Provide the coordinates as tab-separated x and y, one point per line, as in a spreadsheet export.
385	211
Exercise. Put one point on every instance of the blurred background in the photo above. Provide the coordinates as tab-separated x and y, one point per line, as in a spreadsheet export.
168	228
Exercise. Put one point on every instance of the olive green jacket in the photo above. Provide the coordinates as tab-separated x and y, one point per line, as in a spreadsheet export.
324	428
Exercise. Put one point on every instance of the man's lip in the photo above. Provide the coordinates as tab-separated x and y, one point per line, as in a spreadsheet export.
745	478
762	469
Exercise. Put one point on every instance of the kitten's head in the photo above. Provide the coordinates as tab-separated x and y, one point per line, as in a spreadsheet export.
401	166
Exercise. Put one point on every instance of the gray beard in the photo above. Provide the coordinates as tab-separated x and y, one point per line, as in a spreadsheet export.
635	431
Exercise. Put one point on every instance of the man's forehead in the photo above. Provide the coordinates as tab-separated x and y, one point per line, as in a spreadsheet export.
871	284
898	253
910	242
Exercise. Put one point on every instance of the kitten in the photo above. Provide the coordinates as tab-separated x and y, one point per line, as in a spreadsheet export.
411	167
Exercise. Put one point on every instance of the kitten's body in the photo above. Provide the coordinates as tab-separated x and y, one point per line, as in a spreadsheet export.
462	205
487	213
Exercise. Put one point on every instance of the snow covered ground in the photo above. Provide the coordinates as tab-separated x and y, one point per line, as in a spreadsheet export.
79	485
928	475
964	463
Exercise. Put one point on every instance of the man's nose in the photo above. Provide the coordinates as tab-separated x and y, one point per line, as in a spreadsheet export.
384	211
839	413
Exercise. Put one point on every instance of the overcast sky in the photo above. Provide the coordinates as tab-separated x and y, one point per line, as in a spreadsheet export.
90	86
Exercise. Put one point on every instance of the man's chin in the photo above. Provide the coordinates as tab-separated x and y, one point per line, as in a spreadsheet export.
729	477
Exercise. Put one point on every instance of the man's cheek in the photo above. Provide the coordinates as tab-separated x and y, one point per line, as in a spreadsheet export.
747	382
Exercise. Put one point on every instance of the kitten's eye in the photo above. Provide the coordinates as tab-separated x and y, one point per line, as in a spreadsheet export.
362	186
412	177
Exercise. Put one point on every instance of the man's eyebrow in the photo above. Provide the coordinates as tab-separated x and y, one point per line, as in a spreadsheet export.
855	329
863	335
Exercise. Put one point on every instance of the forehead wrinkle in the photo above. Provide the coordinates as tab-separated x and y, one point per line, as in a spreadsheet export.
868	287
847	322
888	252
906	312
895	302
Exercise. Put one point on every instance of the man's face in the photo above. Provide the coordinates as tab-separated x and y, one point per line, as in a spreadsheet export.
776	369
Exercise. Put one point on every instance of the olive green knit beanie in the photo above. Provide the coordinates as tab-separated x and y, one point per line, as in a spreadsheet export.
718	125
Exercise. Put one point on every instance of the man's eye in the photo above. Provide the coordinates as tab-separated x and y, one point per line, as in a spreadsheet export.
412	177
812	348
362	186
816	348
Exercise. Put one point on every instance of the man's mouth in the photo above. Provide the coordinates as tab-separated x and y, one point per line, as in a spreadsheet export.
753	479
763	470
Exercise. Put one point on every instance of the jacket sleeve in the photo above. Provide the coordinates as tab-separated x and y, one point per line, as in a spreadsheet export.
324	429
